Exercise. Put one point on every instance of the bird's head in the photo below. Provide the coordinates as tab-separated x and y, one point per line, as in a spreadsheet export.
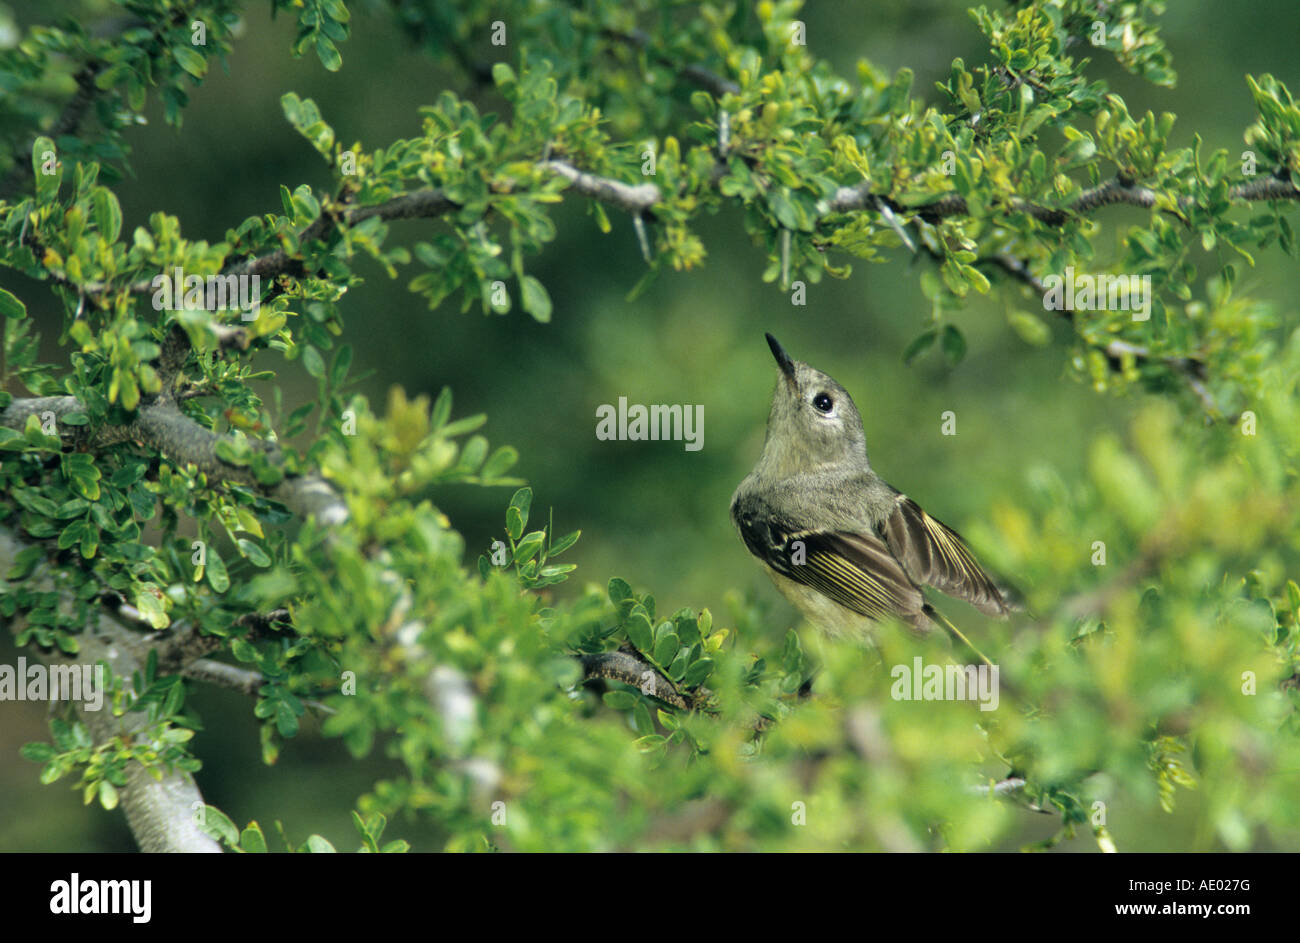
813	420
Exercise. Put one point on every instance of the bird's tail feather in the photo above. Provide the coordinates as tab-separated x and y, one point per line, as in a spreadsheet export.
963	642
955	633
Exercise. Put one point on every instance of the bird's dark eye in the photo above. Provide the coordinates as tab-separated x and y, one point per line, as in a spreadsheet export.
823	403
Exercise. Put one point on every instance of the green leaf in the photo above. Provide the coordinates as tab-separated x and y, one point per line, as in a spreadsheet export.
441	409
462	426
38	752
919	345
305	203
564	543
501	461
233	451
312	362
291	104
639	632
1030	328
650	744
151	607
253	552
527	548
107	794
243	650
10	306
217	824
47	184
503	75
536	301
190	60
108	213
72	534
665	649
24	562
620	700
517	512
252	840
218	578
641	719
698	673
688	626
51	773
286	721
619	590
342	363
62	733
472	455
954	344
331	60
175	699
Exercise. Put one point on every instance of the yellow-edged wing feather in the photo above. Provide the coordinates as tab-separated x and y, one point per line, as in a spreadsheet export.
855	570
933	554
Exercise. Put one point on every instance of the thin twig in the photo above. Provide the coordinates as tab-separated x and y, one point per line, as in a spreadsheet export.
244	680
716	85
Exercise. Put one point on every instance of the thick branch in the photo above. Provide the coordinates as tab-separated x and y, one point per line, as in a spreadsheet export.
1267	188
164	428
176	348
159	811
244	680
631	669
633	198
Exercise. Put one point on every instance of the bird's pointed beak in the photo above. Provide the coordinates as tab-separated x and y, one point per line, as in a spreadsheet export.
782	358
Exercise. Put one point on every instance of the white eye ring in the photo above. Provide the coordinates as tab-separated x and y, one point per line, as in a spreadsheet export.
828	409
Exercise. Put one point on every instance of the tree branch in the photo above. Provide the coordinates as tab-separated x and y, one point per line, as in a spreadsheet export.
160	811
633	198
629	668
716	85
1190	369
244	680
418	204
1110	193
161	426
78	105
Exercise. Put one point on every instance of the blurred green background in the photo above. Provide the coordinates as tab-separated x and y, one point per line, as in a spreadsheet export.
650	512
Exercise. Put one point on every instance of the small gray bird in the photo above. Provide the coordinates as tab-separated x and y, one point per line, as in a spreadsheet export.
843	546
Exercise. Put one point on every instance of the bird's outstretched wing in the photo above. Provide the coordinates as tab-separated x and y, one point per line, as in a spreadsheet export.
933	554
856	570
